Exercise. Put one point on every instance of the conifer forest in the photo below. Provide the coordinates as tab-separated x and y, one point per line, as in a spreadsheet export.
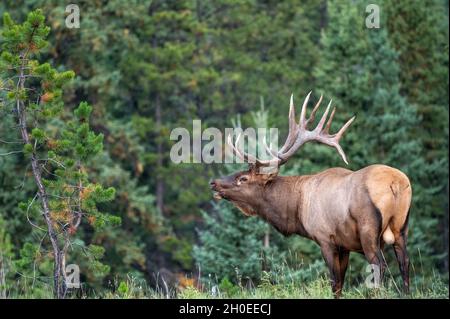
95	97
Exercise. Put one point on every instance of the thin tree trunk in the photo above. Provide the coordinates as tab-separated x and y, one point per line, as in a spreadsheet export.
159	162
3	272
323	15
446	212
21	111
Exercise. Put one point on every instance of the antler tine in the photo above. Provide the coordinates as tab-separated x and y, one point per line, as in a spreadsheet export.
327	127
292	122
341	152
247	157
339	135
243	155
313	113
319	127
269	148
344	128
293	127
303	121
333	140
236	151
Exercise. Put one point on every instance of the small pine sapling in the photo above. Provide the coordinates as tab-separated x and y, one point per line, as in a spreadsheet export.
57	146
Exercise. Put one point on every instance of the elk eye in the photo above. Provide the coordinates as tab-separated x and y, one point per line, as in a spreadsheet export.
243	179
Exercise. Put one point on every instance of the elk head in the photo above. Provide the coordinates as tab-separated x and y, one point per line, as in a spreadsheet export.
246	188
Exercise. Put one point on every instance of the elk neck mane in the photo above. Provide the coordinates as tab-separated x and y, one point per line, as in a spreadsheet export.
281	210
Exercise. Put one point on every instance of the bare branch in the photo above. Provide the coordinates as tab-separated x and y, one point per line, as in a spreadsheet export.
28	216
10	142
10	153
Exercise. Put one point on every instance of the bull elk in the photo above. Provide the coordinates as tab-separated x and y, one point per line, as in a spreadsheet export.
341	210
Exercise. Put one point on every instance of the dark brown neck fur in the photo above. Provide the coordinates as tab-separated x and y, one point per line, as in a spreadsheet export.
282	208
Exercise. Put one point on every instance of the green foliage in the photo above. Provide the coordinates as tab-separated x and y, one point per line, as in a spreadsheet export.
227	288
6	259
423	62
28	254
232	246
50	139
123	288
155	65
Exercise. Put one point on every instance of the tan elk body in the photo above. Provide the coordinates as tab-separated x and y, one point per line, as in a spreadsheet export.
341	210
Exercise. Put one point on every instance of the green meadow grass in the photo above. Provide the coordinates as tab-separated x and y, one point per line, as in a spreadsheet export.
432	287
280	284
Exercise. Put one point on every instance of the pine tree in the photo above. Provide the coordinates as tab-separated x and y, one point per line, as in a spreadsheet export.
6	259
57	149
111	31
419	32
232	246
162	100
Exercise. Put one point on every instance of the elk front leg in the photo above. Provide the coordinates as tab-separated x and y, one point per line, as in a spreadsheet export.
343	263
330	254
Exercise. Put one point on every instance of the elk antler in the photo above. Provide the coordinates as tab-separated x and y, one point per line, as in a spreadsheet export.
299	135
247	157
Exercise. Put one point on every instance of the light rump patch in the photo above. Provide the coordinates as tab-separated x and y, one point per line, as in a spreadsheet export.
390	192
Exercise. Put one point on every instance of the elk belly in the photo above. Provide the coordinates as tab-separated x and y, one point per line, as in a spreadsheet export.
388	236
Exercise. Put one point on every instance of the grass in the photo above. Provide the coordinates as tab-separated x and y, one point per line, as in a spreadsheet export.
432	287
311	283
427	288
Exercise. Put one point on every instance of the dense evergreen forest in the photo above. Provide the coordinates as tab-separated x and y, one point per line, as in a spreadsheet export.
102	102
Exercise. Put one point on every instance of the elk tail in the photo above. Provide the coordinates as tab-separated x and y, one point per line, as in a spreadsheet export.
388	236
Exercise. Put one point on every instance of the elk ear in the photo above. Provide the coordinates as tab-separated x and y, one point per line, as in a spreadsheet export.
268	177
267	173
253	168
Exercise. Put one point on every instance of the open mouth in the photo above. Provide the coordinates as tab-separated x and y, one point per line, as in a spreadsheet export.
218	191
217	195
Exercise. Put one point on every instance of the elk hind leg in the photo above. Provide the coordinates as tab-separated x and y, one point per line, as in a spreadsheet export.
402	258
370	233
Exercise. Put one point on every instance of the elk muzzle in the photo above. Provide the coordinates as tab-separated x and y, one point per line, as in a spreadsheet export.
220	186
